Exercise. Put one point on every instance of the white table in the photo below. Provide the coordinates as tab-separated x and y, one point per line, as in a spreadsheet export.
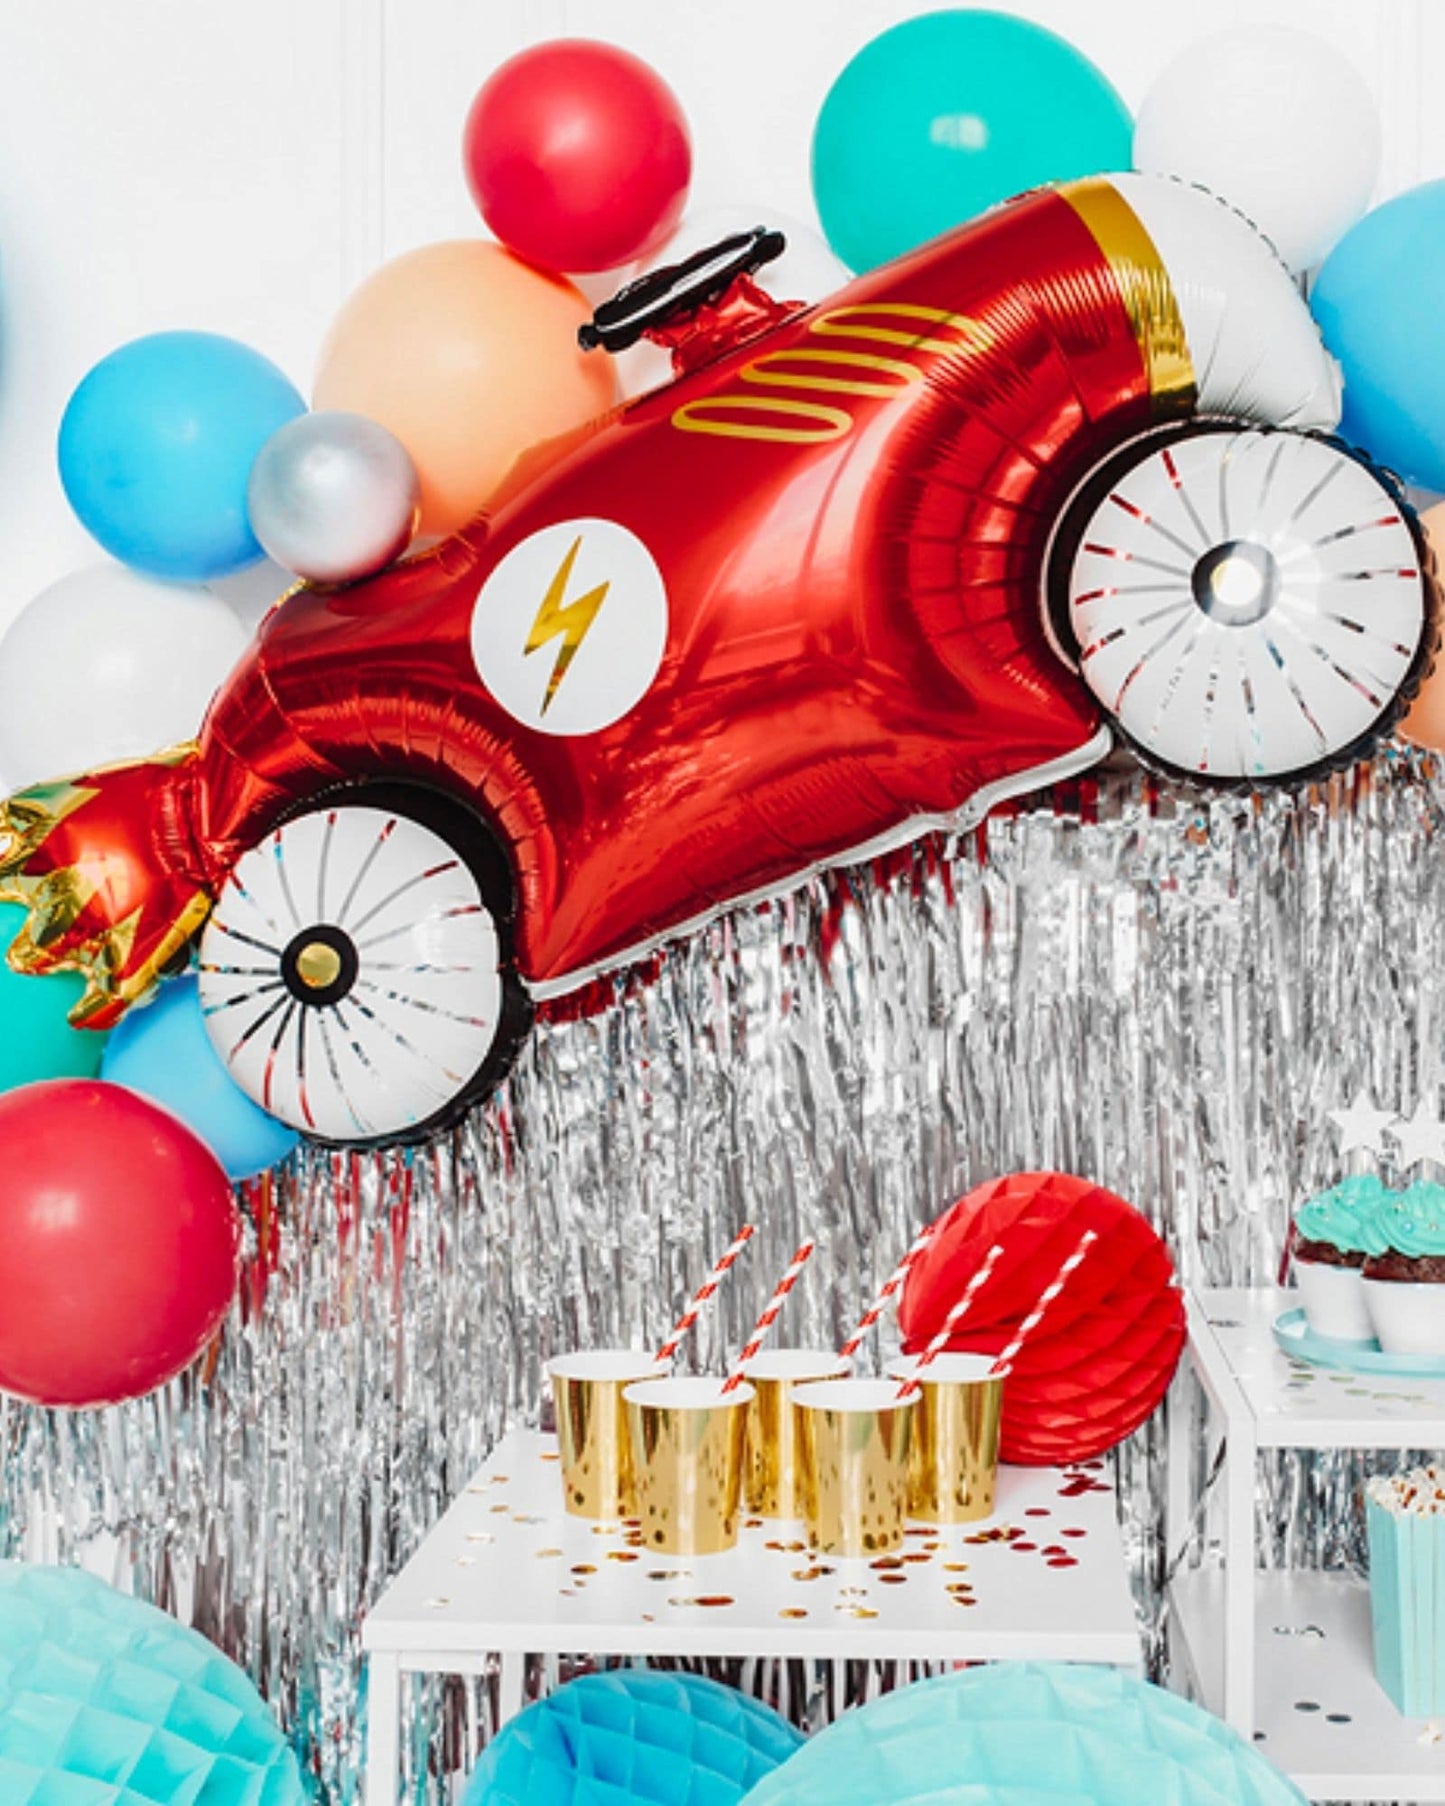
506	1572
1286	1657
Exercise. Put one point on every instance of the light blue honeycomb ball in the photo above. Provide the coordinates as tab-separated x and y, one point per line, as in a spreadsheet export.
105	1701
1028	1734
633	1737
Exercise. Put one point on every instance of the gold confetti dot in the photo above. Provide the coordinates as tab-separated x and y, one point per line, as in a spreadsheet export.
621	1555
551	1455
547	1554
583	1567
480	1536
955	1567
793	1611
892	1580
885	1562
856	1611
706	1599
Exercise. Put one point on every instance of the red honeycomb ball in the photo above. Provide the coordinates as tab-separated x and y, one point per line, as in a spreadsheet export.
1102	1358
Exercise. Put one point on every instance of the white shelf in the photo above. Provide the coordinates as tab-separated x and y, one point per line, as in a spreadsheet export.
1320	1714
505	1570
1295	1405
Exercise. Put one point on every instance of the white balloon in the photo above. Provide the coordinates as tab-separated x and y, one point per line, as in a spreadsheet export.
806	271
1274	121
107	665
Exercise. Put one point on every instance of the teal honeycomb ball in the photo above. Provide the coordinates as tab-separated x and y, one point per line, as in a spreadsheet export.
1028	1734
105	1701
633	1737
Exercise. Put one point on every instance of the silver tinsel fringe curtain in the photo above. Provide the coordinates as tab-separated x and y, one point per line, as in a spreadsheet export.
1165	992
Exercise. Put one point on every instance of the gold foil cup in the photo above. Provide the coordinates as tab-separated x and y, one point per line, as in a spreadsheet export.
592	1440
954	1463
687	1450
772	1467
855	1437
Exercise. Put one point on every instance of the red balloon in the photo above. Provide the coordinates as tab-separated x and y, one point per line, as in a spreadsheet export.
1102	1357
578	155
119	1242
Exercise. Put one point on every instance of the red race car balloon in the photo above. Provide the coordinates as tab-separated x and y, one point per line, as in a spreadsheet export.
862	570
119	1241
1105	1351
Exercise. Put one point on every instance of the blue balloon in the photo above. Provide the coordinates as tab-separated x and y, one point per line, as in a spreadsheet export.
162	1050
157	444
106	1700
1378	303
1028	1734
633	1737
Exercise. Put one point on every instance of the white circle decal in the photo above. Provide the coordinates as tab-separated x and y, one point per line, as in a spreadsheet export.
569	628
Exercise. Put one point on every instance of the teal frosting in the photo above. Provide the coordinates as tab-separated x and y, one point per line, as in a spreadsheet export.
1354	1215
1415	1222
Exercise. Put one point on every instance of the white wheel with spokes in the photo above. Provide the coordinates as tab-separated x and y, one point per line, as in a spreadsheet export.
351	974
1245	604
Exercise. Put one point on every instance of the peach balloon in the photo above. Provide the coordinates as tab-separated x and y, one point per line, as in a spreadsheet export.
1424	725
470	357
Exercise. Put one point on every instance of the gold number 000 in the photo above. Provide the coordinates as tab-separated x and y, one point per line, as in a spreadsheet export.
798	422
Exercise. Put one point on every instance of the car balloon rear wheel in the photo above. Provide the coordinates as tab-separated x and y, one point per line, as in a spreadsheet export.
1247	605
355	975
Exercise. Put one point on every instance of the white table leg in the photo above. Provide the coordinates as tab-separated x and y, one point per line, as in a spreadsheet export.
1239	1580
510	1686
383	1728
1177	1502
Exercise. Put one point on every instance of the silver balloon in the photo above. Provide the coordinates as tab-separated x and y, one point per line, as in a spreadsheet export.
333	497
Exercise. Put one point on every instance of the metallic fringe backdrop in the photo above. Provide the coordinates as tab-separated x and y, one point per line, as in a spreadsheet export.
1165	992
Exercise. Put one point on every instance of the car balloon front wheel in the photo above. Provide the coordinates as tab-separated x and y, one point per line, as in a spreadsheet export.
1247	605
355	975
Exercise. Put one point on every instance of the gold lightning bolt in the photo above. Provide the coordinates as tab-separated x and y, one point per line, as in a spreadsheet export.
571	621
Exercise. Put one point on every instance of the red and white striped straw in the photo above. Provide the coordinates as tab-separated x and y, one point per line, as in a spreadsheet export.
764	1324
1046	1298
891	1286
705	1291
951	1322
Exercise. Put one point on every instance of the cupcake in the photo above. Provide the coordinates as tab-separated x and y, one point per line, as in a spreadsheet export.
1404	1282
1335	1233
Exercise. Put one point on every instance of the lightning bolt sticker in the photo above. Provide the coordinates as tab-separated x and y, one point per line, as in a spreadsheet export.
570	622
599	588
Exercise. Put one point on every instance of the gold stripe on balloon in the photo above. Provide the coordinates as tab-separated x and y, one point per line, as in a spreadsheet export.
1144	287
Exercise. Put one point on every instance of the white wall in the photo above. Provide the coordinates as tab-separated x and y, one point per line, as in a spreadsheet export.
240	166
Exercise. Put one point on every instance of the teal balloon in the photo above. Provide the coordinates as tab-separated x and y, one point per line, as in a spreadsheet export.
633	1737
162	1050
105	1701
1377	302
1028	1734
36	1040
947	114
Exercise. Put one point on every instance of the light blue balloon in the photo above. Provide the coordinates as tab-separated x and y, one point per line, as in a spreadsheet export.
633	1737
1028	1734
945	115
157	444
1380	304
104	1699
162	1050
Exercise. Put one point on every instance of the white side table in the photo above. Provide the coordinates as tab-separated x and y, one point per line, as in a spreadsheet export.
506	1572
1285	1657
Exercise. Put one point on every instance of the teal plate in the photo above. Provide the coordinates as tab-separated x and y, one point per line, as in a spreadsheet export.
1294	1335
